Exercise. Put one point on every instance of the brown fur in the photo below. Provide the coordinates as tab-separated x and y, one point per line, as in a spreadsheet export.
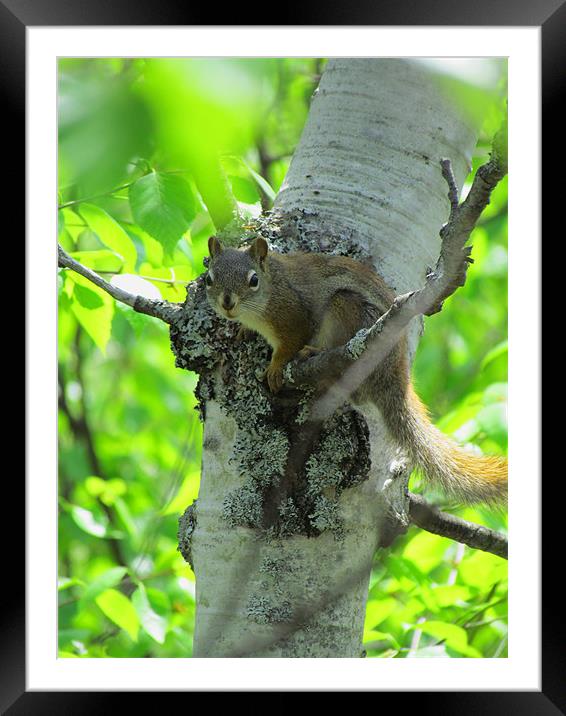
311	302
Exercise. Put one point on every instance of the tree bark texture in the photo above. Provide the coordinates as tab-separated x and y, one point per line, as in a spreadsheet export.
366	181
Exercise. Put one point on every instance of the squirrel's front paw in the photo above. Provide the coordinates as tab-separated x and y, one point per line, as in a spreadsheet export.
274	378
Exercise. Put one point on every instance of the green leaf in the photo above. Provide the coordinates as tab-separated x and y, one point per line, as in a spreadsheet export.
88	298
120	610
238	171
124	516
138	321
151	622
106	580
99	260
164	206
73	224
426	551
378	610
159	600
501	349
454	636
263	184
92	307
448	595
481	569
106	490
66	582
402	568
68	636
111	234
170	291
95	525
372	635
244	190
152	249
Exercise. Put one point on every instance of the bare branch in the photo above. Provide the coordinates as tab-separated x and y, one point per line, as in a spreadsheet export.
348	366
164	310
431	519
450	179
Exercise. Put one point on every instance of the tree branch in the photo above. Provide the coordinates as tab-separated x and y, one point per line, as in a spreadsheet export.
348	366
164	310
431	519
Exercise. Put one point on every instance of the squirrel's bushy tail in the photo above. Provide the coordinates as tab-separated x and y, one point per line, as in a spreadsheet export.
460	474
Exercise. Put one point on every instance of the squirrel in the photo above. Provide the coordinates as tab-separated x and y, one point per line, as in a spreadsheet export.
303	303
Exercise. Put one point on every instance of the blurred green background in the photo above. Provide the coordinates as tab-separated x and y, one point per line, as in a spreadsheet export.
152	155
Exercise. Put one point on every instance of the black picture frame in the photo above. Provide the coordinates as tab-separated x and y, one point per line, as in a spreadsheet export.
15	16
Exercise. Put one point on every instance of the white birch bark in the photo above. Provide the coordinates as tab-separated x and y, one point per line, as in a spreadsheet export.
367	166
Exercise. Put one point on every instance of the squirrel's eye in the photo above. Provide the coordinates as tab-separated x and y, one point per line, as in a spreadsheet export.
208	280
254	280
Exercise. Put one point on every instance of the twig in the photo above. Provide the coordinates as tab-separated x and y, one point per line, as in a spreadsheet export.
74	202
117	189
168	281
164	310
431	519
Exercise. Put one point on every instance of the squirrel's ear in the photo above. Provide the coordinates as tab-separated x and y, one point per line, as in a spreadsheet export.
214	246
258	249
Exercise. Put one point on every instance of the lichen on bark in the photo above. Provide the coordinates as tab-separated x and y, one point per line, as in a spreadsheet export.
187	524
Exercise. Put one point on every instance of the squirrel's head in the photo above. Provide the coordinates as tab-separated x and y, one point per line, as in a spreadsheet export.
236	280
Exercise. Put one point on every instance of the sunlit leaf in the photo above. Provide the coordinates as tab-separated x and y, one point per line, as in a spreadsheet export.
111	234
67	654
426	550
151	622
454	636
95	525
100	260
92	307
110	578
124	516
66	582
164	206
106	490
372	635
378	610
88	298
481	569
120	610
244	190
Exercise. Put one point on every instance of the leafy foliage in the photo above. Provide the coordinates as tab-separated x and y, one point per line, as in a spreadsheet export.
152	154
163	205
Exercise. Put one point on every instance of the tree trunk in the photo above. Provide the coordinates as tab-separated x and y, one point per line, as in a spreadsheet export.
365	180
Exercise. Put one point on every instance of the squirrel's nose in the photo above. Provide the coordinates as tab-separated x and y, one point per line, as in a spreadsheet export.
228	301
